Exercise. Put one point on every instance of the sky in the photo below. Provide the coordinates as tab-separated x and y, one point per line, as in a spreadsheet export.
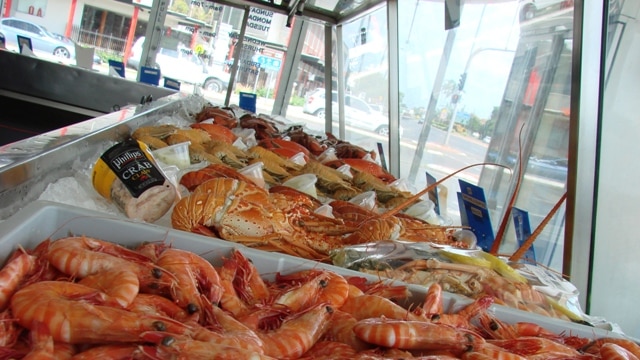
490	32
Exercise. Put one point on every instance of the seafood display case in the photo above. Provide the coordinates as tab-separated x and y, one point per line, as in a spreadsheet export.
29	167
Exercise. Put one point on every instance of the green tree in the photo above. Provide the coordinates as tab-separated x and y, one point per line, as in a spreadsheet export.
180	6
475	124
490	124
201	10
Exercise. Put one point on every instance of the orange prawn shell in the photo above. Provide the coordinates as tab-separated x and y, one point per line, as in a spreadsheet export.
12	273
67	309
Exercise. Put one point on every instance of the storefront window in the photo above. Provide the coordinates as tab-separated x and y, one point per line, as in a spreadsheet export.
366	72
494	89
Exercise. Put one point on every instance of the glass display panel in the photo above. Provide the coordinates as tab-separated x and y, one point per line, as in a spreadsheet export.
306	105
496	90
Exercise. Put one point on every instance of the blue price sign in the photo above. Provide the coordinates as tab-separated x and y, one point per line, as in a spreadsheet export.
268	63
523	232
475	214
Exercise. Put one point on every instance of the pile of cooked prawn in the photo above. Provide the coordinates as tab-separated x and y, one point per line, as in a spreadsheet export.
85	298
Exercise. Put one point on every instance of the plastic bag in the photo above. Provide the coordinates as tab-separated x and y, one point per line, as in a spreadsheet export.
472	273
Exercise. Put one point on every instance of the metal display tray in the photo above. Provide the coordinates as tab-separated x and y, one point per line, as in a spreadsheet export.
41	220
28	166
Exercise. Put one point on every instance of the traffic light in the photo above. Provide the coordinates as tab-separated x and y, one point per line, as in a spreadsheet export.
463	78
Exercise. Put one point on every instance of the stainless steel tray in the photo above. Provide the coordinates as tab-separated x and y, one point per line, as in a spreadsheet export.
27	167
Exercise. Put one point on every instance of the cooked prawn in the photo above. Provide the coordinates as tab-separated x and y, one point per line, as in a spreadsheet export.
528	346
175	347
595	346
611	351
432	301
70	312
462	318
120	286
298	334
303	292
416	335
151	304
341	330
9	330
41	343
330	350
112	352
229	300
12	274
81	256
232	332
332	287
248	283
369	306
192	275
490	352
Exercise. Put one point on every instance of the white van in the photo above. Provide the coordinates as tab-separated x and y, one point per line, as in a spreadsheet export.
183	65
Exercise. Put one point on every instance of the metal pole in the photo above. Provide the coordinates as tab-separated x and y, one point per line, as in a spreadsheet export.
435	93
236	54
394	88
289	66
155	28
459	92
328	74
466	67
341	88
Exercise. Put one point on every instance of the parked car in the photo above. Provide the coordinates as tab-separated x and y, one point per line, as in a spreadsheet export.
532	8
357	112
182	65
42	40
551	168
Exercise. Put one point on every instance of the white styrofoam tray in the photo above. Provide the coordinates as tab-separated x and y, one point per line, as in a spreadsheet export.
41	220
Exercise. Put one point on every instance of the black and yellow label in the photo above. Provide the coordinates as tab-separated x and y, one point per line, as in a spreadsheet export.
128	162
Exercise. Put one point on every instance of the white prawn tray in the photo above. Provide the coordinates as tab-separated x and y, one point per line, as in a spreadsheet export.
41	220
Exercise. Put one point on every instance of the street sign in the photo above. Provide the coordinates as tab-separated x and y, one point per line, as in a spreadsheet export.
268	63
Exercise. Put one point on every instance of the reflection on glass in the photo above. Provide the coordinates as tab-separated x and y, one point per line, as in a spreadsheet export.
496	90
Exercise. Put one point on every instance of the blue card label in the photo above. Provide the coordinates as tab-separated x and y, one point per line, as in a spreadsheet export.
523	232
475	214
117	66
149	75
171	84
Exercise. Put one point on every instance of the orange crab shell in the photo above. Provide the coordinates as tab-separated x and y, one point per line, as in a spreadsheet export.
216	132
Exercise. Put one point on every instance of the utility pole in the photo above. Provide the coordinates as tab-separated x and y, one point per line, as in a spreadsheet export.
461	83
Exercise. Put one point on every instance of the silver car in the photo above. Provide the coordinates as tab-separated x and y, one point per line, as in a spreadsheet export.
357	112
42	41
